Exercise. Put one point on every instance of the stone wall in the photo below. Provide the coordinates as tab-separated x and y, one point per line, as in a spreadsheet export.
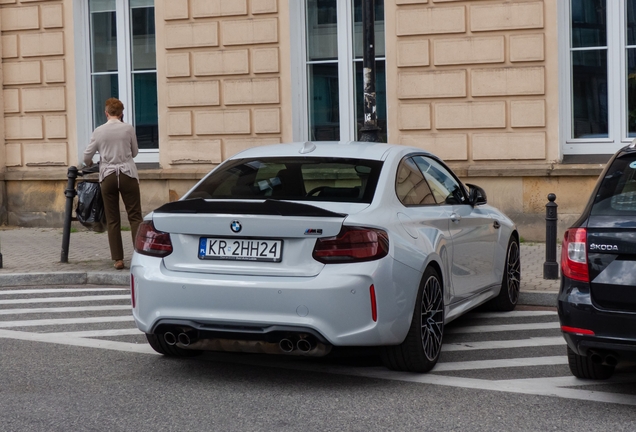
34	47
473	80
220	91
476	82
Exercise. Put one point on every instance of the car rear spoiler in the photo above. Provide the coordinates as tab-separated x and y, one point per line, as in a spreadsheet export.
267	207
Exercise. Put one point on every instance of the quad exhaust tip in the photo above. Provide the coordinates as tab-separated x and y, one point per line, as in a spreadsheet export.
301	344
304	345
286	345
183	339
170	338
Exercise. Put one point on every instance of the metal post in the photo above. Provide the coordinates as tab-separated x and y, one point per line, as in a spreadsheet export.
370	129
551	267
70	194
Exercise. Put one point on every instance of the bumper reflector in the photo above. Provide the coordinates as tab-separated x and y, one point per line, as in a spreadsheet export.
374	307
132	289
576	330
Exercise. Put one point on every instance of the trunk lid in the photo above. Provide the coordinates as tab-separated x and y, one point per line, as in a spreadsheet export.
612	263
296	226
611	235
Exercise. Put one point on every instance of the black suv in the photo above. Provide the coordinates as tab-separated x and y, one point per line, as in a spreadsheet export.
597	299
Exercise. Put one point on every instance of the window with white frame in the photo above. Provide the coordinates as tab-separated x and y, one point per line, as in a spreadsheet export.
328	69
123	65
600	116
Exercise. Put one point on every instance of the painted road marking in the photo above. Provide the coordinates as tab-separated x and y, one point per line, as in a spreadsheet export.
80	342
64	321
99	333
562	387
502	328
511	314
501	363
552	387
533	386
60	290
519	343
65	299
63	309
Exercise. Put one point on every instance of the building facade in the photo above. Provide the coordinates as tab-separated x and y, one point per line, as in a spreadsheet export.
522	97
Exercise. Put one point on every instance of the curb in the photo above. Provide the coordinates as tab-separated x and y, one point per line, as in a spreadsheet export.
64	278
534	298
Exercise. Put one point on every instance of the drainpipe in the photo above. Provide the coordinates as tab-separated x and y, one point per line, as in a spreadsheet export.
370	129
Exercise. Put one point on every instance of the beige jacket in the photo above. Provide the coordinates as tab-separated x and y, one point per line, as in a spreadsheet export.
116	143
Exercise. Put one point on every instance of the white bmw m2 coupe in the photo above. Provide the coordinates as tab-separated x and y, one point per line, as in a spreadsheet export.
298	248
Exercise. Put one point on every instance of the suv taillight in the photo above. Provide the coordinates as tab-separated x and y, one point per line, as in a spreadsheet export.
352	244
151	242
574	255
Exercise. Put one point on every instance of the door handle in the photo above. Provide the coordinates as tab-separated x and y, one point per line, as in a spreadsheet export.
496	224
455	217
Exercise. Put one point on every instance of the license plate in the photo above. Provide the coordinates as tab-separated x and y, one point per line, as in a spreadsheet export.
240	249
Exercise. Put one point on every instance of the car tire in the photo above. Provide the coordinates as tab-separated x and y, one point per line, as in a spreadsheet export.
422	346
584	367
511	282
158	344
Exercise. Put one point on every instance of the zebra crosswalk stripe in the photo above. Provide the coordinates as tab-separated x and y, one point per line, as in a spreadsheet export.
59	290
501	363
99	333
63	310
64	299
64	321
516	343
503	328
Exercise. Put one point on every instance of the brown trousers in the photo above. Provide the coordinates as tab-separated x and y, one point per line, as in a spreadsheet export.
128	187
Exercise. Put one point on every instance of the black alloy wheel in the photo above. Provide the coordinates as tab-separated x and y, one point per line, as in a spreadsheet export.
423	344
432	323
511	283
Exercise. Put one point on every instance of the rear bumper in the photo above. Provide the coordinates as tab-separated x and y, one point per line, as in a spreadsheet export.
335	305
613	331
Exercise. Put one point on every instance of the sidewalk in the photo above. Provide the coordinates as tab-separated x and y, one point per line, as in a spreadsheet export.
31	256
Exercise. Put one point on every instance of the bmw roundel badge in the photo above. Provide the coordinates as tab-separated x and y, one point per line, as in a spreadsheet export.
236	227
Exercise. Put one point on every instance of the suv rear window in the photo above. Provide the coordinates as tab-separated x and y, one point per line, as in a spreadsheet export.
298	179
617	194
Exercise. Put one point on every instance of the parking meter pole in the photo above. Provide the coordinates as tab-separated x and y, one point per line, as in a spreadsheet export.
70	194
551	267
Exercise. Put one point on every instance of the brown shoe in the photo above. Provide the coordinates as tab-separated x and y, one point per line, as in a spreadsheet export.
119	264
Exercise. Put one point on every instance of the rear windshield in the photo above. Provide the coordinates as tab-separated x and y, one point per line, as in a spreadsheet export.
617	194
299	179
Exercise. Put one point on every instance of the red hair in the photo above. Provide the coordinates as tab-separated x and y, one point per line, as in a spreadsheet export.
114	107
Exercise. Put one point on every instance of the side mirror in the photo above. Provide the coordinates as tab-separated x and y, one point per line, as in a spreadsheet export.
476	195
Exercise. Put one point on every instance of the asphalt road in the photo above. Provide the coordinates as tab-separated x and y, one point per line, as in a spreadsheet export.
71	359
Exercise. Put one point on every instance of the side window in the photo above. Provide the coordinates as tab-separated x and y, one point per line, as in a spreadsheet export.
445	188
410	185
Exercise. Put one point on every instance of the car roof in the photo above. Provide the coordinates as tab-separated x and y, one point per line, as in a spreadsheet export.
344	149
627	150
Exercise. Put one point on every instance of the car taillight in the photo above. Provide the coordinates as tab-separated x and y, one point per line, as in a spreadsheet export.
151	242
574	255
352	244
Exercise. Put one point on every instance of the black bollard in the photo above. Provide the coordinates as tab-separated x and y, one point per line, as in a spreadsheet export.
70	194
551	267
